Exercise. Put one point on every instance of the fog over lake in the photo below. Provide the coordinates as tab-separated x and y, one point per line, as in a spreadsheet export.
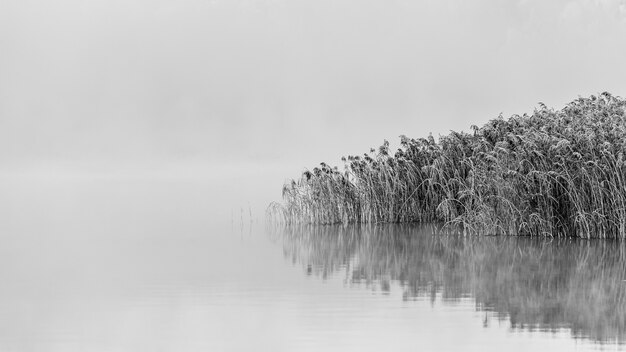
297	82
141	142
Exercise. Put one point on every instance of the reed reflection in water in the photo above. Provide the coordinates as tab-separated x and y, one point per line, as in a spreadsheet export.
536	284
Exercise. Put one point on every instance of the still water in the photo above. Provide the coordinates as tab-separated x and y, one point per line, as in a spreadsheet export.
138	264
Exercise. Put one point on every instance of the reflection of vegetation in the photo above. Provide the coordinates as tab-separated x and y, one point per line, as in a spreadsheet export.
549	173
536	283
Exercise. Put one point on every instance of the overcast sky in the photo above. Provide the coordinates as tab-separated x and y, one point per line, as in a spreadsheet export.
294	82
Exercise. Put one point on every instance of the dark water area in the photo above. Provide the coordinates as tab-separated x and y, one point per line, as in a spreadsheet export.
534	284
171	263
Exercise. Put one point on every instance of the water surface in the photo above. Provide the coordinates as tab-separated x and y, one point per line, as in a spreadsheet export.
145	264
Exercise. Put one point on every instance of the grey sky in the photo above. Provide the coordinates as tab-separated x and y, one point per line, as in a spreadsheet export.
294	82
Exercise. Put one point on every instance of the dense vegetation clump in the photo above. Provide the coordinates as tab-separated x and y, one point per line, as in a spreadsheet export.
553	173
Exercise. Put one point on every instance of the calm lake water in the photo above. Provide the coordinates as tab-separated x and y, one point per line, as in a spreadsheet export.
170	264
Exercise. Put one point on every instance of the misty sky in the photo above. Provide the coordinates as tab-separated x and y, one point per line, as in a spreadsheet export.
294	82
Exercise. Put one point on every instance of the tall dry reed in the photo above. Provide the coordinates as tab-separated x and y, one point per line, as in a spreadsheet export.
552	173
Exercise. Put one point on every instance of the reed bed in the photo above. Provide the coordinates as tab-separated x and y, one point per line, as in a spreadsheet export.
550	173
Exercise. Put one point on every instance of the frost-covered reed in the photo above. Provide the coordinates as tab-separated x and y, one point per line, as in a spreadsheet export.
553	173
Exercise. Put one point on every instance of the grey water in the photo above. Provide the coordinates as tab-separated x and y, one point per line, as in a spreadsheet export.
173	264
